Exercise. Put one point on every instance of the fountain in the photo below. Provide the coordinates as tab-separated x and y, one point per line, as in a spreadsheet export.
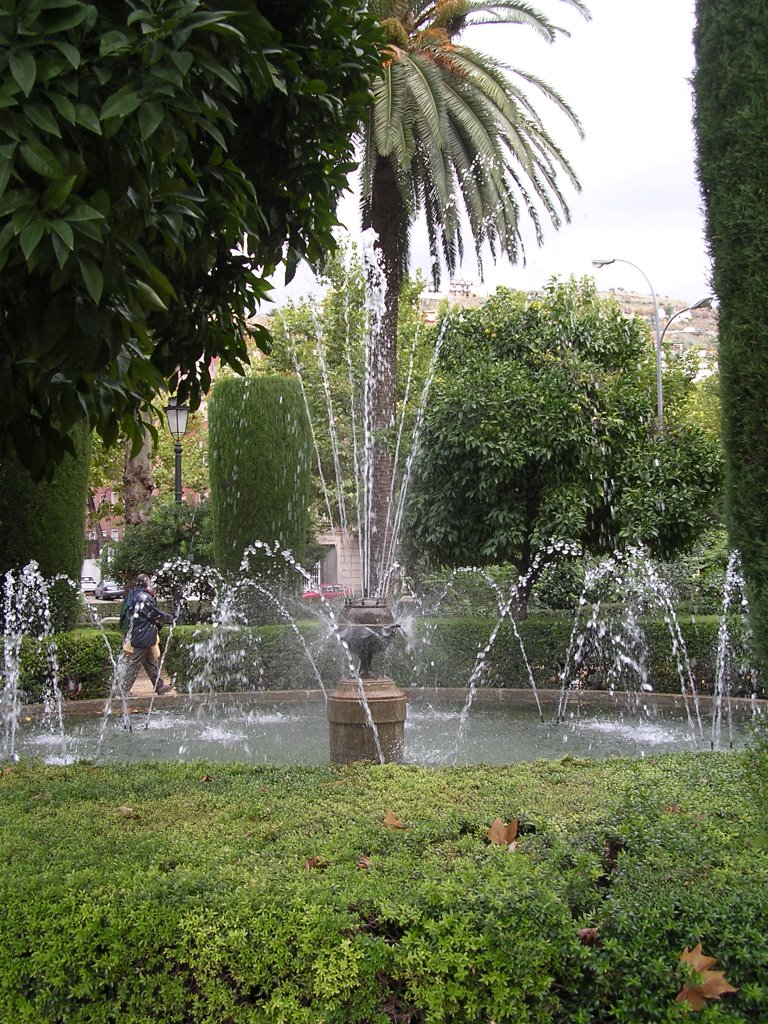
455	726
366	714
365	708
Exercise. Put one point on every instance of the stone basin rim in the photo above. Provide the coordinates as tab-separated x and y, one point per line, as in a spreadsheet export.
416	695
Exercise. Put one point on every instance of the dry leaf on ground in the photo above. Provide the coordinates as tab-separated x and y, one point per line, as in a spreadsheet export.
704	984
317	863
390	821
503	835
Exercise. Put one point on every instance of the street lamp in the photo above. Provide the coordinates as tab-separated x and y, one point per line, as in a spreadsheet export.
657	332
701	304
177	424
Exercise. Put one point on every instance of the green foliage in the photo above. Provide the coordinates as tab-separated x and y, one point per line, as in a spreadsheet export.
44	522
440	652
170	532
182	893
452	130
155	158
541	427
261	453
265	657
84	661
731	117
698	577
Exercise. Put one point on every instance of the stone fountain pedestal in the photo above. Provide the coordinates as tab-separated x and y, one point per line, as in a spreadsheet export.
351	737
367	627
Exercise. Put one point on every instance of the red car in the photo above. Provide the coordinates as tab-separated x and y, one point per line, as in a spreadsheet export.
326	590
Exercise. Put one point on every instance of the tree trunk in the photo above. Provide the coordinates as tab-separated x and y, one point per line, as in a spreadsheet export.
93	514
138	482
386	219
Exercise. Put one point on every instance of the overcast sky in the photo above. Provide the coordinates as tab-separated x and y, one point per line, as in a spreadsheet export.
627	75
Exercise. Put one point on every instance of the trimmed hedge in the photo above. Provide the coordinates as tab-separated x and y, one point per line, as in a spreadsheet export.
435	653
84	664
731	118
229	894
44	521
260	449
440	653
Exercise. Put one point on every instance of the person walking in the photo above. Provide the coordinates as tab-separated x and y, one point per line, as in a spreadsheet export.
140	618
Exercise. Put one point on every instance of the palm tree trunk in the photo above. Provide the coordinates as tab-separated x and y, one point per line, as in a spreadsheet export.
386	219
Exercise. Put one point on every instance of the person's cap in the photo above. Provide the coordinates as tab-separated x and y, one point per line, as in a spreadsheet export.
143	581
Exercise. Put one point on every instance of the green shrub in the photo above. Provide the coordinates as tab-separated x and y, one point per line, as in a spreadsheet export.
229	894
731	117
253	657
260	451
442	652
83	657
44	522
434	653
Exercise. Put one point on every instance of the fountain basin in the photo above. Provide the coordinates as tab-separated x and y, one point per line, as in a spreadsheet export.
291	728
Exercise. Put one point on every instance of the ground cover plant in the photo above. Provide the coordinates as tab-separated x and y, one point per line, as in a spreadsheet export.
564	891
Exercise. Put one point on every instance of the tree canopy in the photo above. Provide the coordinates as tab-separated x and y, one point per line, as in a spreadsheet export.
157	160
541	427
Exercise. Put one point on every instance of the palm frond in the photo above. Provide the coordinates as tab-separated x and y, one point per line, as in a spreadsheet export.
463	133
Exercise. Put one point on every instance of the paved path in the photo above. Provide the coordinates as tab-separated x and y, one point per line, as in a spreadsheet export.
143	685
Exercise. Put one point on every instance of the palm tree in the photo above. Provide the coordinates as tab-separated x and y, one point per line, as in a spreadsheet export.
450	131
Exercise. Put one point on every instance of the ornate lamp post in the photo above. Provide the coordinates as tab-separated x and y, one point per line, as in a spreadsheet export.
177	416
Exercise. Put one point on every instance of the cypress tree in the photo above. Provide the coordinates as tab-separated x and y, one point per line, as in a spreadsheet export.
731	119
45	522
260	457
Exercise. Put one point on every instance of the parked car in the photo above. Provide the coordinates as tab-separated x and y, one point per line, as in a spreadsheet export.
108	590
327	590
88	585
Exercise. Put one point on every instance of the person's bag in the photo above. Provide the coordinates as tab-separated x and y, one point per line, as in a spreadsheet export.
126	614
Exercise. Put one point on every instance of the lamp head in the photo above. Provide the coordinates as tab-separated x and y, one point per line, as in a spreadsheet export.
177	418
703	303
602	263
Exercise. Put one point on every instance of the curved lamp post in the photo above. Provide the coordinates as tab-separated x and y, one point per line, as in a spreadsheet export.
657	331
177	416
701	304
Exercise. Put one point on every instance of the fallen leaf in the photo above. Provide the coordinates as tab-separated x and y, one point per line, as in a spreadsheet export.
390	821
696	960
704	984
126	812
205	778
363	863
316	863
503	835
589	936
8	769
672	809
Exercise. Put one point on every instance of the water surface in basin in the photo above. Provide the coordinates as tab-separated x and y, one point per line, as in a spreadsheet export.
297	733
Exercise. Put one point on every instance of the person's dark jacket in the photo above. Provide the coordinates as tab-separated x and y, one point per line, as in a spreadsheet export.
145	618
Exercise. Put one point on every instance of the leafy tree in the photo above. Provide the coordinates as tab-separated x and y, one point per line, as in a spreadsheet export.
731	118
541	427
451	131
108	469
155	158
171	534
